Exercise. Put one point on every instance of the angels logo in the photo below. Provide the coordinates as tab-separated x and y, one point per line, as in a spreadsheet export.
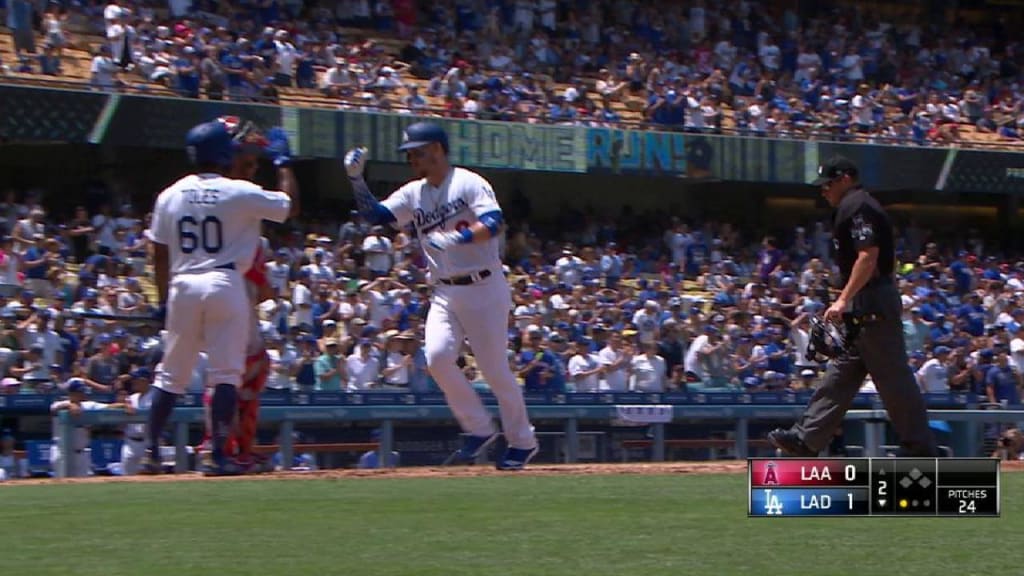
770	478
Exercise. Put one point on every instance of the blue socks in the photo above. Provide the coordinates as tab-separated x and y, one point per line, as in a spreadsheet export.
159	414
222	415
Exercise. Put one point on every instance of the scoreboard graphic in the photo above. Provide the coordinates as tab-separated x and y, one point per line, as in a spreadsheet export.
947	487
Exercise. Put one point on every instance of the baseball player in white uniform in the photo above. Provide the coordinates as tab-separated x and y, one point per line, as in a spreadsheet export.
457	217
133	449
205	229
76	403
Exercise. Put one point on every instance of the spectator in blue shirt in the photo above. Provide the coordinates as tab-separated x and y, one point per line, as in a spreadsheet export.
538	367
36	262
187	69
1002	382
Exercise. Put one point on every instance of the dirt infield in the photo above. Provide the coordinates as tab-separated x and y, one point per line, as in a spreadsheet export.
717	467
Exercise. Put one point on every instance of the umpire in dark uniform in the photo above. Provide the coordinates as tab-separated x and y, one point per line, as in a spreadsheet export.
865	253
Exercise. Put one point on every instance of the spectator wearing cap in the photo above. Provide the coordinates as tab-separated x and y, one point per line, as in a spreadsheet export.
317	270
10	266
611	265
324	309
330	368
370	460
103	70
307	355
984	360
302	301
382	298
76	403
284	363
90	303
585	368
398	360
135	248
363	366
379	252
704	357
134	447
647	323
39	333
278	272
916	331
933	375
103	367
647	369
33	372
29	231
807	380
330	331
1002	383
1017	349
105	226
538	367
10	467
130	299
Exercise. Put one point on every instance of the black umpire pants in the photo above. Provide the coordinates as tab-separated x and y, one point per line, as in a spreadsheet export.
879	350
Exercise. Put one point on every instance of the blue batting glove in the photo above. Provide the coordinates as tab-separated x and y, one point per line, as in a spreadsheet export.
277	148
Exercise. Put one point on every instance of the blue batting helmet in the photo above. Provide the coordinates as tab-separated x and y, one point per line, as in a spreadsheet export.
210	143
421	134
217	142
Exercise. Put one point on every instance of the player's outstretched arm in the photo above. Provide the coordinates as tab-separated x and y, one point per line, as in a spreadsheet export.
369	207
279	151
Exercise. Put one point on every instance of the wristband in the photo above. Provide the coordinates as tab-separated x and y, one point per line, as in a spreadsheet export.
467	235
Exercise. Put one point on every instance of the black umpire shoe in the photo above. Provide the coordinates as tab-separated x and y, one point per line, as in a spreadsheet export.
790	443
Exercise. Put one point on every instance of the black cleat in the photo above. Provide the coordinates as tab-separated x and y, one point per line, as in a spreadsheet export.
790	443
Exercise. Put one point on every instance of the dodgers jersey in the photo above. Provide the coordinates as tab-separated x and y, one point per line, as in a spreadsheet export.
209	221
457	203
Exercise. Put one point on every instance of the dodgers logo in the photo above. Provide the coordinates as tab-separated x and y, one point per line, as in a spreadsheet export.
772	504
427	219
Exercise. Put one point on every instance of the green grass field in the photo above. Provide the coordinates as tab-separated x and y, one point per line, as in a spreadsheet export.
497	525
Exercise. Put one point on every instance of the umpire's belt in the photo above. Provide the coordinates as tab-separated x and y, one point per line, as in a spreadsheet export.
467	279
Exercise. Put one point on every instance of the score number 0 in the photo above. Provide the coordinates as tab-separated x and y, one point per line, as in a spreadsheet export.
850	474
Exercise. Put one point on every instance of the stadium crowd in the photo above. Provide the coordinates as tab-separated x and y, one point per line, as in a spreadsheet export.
604	306
840	71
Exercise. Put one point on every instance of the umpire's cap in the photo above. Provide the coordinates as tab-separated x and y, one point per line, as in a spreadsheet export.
421	134
210	143
834	168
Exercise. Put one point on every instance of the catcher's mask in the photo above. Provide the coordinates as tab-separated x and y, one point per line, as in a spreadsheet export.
827	341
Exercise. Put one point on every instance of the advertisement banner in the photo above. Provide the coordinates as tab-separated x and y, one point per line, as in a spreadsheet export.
690	155
474	144
37	114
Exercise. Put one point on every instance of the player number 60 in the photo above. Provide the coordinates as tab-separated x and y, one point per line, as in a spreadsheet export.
211	234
